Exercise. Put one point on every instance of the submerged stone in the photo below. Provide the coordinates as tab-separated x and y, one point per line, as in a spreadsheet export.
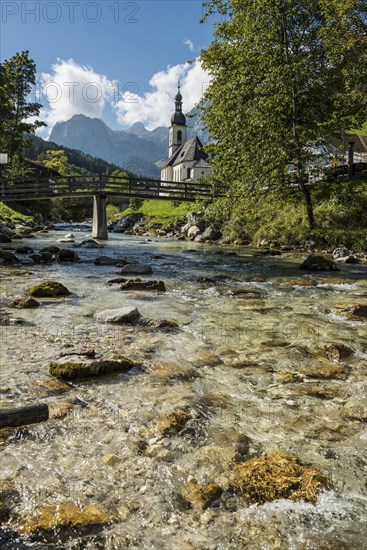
24	303
354	312
167	372
137	284
75	367
275	476
201	495
335	352
173	423
49	289
64	514
136	269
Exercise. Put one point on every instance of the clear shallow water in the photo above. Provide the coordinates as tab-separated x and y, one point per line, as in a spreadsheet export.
258	340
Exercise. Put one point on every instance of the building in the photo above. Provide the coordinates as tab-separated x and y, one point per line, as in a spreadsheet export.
187	161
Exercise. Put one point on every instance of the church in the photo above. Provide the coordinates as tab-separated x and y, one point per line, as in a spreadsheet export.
187	161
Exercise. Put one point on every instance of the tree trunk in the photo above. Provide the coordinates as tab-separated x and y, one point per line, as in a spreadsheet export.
308	201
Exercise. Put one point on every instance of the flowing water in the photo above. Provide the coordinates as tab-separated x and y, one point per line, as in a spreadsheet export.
252	354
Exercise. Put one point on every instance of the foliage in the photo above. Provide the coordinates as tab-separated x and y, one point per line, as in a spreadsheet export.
284	75
112	212
17	76
57	160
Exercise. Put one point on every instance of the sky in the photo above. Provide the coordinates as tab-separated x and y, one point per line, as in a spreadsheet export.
118	60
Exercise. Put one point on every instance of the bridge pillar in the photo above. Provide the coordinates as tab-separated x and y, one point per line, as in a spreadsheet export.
99	229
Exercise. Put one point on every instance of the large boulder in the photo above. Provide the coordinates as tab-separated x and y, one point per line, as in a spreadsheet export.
136	269
137	284
49	289
24	250
66	255
124	315
193	232
318	263
211	234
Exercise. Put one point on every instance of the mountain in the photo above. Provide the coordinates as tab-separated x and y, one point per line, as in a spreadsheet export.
93	136
79	162
136	150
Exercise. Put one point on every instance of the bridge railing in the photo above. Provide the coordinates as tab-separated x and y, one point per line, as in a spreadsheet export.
69	186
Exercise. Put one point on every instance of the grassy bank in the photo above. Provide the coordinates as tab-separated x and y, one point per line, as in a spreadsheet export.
340	211
8	215
163	212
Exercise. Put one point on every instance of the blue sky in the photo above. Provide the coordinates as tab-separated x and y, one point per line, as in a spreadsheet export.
112	49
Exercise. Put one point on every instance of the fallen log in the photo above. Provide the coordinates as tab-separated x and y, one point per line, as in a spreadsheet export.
31	414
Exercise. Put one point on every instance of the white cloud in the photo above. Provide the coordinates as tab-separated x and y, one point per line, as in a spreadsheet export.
189	43
72	89
155	108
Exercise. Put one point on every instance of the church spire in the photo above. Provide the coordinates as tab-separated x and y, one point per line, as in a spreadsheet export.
178	117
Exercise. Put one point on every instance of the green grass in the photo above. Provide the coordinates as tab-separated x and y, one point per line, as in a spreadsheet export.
163	212
340	211
8	215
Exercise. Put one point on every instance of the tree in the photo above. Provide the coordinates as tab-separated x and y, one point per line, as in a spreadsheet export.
57	160
285	74
17	76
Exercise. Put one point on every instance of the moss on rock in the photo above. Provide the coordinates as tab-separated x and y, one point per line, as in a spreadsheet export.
49	289
74	367
64	514
275	476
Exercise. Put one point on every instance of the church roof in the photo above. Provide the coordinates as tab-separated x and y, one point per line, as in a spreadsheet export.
202	163
189	151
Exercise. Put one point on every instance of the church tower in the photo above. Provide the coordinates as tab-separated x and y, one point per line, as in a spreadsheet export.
178	128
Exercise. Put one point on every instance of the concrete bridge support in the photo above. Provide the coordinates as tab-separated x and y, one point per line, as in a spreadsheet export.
99	229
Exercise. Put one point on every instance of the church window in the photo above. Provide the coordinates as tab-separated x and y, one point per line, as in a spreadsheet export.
188	173
179	136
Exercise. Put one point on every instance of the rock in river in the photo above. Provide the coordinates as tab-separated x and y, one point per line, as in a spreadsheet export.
354	312
24	303
124	315
201	495
74	367
137	284
67	255
318	263
49	289
136	269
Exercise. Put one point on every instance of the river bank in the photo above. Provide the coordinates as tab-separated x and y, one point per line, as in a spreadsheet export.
246	373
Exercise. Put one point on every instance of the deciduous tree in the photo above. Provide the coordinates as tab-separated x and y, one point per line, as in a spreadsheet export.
285	74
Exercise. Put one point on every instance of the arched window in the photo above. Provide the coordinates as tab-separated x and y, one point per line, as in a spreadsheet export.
188	173
179	136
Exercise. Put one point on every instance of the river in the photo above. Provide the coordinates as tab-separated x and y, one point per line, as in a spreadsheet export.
250	338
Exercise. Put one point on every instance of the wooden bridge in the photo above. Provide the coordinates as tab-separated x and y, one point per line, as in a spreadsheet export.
101	187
